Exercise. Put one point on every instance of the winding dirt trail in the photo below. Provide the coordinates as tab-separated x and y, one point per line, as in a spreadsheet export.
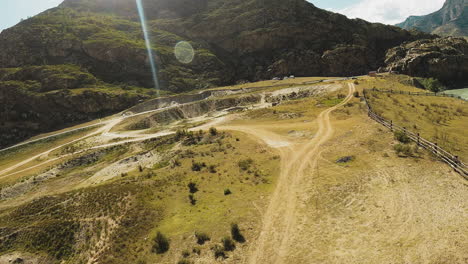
275	240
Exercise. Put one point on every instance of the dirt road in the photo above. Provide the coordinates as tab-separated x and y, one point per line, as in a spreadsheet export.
274	241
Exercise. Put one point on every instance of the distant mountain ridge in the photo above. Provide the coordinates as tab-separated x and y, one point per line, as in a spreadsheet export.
450	20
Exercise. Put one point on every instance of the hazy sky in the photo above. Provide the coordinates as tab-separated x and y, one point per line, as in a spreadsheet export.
384	11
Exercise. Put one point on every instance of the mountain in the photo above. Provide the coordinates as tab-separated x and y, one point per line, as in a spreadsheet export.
451	20
233	41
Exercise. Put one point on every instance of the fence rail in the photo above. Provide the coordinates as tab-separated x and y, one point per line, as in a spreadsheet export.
444	155
419	93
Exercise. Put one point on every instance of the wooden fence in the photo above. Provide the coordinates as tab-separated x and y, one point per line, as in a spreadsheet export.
419	93
444	155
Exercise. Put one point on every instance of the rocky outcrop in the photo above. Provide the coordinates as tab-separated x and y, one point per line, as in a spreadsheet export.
450	20
39	99
444	58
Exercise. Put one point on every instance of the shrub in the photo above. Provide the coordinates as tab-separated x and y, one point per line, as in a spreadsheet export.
236	234
228	244
245	164
192	187
196	250
185	253
212	168
218	252
201	237
213	131
227	192
402	137
356	94
184	261
198	166
161	244
403	149
432	85
192	199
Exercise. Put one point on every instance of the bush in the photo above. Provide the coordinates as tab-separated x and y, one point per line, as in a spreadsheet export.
198	166
227	192
212	168
185	253
218	252
245	164
192	199
228	244
192	187
213	131
196	250
402	137
403	149
432	85
236	234
161	244
201	238
184	261
356	94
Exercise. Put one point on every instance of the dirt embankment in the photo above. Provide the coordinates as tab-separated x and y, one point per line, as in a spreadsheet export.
213	104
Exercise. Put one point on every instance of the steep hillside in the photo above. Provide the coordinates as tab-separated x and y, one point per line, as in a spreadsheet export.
233	40
450	20
224	42
36	99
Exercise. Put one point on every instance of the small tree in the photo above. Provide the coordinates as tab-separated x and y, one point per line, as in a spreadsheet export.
161	243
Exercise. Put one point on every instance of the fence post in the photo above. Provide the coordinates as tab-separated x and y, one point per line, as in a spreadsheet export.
391	125
418	138
436	148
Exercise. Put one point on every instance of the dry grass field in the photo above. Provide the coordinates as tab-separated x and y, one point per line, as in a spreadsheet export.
311	180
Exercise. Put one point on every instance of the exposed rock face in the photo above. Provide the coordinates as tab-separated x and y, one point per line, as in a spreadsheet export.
38	99
445	59
450	20
233	40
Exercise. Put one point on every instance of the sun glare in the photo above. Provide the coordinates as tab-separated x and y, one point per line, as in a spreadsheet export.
151	57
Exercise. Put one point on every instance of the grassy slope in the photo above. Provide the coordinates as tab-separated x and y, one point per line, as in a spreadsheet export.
438	119
373	202
162	188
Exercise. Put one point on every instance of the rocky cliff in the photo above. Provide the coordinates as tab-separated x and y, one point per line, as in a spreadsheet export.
450	20
444	58
232	40
37	99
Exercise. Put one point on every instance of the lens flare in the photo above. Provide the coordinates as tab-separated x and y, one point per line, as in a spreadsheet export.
144	27
184	52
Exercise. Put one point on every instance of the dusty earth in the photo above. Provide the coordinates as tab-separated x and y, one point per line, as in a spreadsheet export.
376	208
